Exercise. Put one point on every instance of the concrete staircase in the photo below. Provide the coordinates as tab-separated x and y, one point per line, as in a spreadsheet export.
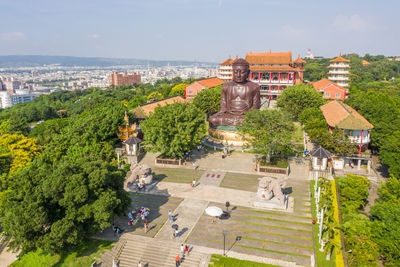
131	249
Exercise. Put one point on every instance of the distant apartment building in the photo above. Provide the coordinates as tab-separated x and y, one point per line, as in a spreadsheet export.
339	71
118	79
22	98
10	84
5	99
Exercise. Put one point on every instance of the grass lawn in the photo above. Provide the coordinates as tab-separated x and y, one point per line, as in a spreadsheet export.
220	261
84	255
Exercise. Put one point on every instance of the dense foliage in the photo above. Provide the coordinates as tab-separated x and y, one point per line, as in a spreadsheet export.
386	224
174	129
59	177
268	131
357	228
299	97
209	101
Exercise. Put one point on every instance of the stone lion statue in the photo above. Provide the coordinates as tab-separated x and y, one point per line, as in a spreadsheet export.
269	188
141	172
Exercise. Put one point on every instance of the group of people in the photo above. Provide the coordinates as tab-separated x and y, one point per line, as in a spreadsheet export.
184	251
136	215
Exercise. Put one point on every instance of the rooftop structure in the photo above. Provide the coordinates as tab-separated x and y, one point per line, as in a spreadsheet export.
145	110
273	71
339	71
365	63
330	90
192	90
337	114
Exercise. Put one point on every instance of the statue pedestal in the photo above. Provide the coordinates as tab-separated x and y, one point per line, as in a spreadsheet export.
225	134
274	204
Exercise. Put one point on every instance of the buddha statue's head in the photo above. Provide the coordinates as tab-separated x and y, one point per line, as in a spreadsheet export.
240	70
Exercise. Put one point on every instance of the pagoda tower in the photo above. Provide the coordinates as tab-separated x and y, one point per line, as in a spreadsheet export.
339	71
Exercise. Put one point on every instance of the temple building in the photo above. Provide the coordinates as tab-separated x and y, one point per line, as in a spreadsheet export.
337	114
192	90
272	71
128	130
118	79
145	110
225	70
330	90
339	71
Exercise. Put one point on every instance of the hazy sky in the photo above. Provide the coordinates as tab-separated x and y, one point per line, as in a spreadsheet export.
204	30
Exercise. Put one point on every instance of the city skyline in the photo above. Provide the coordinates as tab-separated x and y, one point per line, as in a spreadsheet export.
190	30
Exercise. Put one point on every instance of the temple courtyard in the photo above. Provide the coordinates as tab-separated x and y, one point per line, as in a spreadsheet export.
278	237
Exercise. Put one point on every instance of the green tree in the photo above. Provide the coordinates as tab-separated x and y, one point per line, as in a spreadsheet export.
174	129
269	132
178	89
57	206
299	97
209	100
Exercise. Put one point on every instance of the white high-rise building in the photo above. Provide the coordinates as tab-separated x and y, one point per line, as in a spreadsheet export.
5	99
339	71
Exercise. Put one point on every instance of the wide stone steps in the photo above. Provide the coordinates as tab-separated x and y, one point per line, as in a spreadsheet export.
153	253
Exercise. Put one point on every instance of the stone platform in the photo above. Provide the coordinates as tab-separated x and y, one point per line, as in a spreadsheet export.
225	134
274	205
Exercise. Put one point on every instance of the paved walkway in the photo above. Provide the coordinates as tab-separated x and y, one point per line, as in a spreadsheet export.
186	217
237	162
212	178
6	257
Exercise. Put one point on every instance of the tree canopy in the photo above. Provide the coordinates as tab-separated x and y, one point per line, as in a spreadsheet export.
299	97
174	129
209	100
269	132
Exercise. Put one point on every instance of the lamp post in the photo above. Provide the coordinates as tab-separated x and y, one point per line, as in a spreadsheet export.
224	232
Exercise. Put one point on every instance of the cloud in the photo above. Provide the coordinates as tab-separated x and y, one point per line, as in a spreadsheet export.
94	36
13	36
350	23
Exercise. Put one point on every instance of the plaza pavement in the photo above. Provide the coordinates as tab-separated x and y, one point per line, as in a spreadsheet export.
267	236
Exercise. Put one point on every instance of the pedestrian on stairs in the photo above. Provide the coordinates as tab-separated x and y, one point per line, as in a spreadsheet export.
187	250
139	264
146	226
171	218
183	250
177	260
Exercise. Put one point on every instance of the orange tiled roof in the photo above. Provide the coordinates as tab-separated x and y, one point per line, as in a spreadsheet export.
212	82
145	109
269	58
229	61
299	60
340	59
338	114
273	68
321	83
365	63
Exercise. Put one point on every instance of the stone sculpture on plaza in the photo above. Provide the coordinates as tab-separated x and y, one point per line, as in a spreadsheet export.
238	97
270	190
140	172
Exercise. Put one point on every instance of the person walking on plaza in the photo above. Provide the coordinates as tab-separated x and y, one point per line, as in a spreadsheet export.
183	250
177	260
176	232
194	183
187	250
146	226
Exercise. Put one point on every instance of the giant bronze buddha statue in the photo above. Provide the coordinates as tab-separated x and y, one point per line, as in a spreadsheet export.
238	97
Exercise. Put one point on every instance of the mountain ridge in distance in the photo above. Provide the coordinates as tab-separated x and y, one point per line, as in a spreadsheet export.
41	60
